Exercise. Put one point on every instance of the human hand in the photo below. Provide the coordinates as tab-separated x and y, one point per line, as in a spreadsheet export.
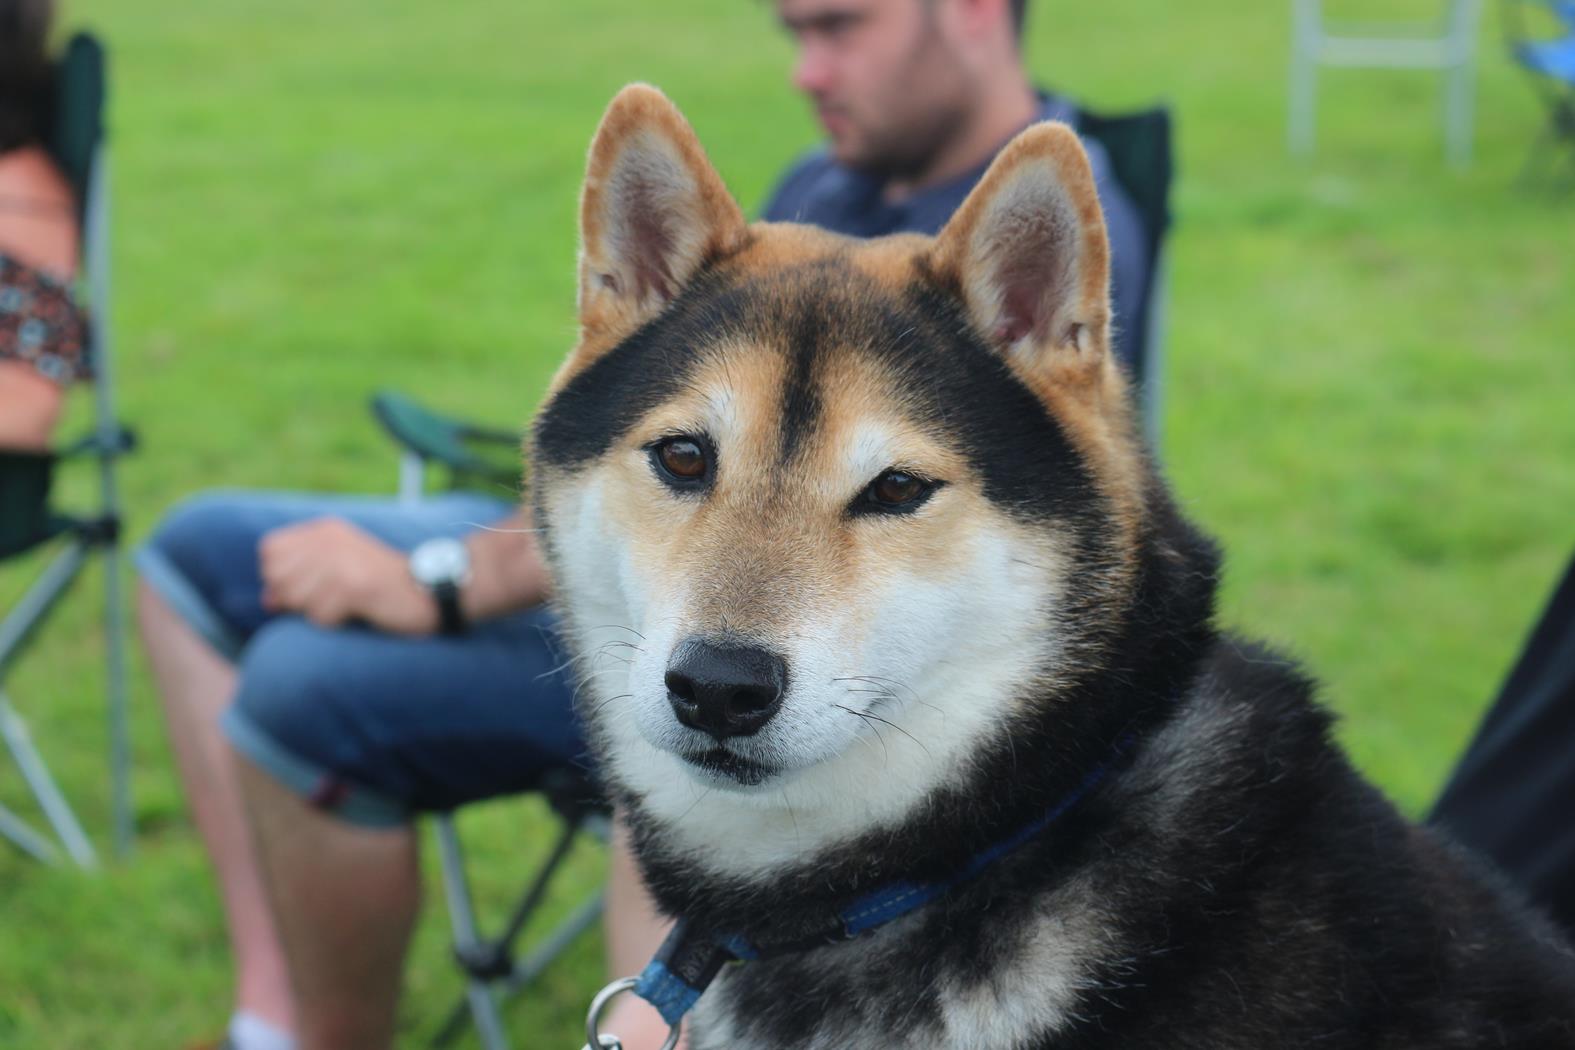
638	1026
331	572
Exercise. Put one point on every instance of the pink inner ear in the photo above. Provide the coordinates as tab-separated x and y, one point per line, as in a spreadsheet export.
651	243
1022	303
1030	281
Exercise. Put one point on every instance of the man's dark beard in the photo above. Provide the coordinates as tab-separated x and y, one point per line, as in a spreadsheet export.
908	153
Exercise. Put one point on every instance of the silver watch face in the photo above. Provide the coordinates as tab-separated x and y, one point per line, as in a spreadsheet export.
440	561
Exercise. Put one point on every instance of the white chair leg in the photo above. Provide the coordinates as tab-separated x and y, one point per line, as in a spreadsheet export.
1458	115
462	918
26	839
1306	30
119	721
14	731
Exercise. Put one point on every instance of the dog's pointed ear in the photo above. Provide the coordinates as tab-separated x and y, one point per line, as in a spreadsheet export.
653	211
1028	255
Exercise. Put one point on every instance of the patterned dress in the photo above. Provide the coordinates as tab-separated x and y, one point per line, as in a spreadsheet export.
41	324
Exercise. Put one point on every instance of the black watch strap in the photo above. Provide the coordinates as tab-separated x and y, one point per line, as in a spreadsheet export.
451	618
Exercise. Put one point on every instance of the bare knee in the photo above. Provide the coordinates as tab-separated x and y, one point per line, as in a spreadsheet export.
154	616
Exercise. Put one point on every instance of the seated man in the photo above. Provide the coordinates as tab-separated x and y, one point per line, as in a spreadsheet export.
358	696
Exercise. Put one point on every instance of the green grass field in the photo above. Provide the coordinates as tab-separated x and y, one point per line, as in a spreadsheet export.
1369	381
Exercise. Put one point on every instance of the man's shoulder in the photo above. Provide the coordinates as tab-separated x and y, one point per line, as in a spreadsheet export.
811	175
1058	107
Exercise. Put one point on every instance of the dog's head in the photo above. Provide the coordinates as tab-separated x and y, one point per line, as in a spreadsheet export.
833	522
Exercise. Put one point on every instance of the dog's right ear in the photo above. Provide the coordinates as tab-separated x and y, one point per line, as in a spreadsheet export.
652	213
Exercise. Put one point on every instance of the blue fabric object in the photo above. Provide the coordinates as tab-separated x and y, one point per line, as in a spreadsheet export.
1553	58
371	726
821	192
666	991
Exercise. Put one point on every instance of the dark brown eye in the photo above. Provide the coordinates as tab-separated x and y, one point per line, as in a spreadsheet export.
895	487
683	459
897	491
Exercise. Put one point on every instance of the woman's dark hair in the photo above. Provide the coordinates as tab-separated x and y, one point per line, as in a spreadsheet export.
25	72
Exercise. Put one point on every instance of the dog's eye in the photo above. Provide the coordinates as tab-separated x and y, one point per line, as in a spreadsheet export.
895	491
684	460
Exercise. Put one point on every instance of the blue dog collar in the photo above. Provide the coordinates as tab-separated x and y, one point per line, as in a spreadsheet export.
689	960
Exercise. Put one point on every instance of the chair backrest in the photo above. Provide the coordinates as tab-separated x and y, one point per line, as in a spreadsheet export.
24	500
1141	159
77	124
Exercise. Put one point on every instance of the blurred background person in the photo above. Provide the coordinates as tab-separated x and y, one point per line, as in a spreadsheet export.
42	333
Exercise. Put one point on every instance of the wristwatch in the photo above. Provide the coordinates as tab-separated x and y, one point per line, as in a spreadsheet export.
442	566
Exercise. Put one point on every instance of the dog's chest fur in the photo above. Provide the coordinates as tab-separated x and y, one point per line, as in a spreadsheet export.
902	989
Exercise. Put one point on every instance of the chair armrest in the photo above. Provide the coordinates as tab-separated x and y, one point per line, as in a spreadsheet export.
120	440
463	447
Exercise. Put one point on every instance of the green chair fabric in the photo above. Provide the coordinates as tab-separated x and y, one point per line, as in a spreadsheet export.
474	455
78	118
25	520
1141	158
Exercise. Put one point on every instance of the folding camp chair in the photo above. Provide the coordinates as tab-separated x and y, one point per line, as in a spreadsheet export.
27	518
1550	63
1449	47
1143	162
475	456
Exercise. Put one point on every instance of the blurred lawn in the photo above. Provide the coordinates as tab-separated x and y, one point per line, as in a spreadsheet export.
1369	375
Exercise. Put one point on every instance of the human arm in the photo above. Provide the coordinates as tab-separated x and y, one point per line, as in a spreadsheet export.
332	572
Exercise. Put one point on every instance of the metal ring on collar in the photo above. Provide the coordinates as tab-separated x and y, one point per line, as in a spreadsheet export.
595	1040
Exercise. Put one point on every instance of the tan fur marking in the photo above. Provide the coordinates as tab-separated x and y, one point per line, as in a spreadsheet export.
767	548
1073	374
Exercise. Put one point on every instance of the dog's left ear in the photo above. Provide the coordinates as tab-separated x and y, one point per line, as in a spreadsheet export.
652	213
1027	254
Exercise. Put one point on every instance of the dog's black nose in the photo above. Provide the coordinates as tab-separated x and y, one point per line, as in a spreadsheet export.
724	690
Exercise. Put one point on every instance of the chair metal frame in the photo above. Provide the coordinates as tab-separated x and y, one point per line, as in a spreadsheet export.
1142	157
84	537
494	970
1449	48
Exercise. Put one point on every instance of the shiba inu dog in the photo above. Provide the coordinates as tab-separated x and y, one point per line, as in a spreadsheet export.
918	701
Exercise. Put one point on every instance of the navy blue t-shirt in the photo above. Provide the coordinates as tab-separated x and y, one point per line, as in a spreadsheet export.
819	191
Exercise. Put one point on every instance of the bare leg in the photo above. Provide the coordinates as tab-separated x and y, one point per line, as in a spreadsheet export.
346	899
29	407
634	931
195	684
